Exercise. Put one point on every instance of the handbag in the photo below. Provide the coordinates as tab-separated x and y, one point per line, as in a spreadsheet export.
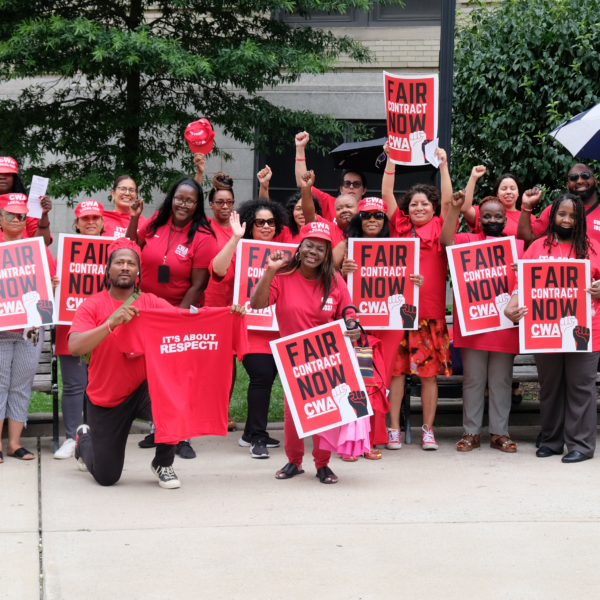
364	352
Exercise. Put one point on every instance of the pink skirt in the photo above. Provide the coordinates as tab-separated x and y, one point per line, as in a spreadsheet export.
347	440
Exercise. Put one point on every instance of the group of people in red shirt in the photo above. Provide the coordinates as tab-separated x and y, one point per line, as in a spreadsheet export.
182	258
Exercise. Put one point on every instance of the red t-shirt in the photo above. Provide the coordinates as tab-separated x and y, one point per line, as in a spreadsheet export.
116	223
337	234
219	293
298	302
111	376
189	366
537	250
512	222
327	202
287	237
592	217
181	259
505	340
433	263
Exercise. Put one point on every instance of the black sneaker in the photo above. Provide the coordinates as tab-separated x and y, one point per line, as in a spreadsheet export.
81	430
167	478
185	450
259	450
148	442
245	442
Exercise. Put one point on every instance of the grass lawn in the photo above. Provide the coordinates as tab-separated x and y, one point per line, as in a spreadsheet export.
239	408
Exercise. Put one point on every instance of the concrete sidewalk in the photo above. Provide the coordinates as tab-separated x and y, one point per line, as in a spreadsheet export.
437	525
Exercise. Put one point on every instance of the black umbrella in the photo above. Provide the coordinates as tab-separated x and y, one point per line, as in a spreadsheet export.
363	157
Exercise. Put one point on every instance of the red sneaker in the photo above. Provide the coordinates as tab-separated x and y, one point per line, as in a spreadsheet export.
427	439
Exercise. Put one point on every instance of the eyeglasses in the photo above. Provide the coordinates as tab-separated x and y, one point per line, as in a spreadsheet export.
12	216
366	216
179	201
348	184
222	203
262	222
575	176
124	190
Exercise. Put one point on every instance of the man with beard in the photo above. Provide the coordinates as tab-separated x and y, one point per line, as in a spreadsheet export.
117	385
581	182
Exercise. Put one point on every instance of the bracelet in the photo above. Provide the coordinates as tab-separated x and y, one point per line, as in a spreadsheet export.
388	173
43	226
108	327
526	209
300	159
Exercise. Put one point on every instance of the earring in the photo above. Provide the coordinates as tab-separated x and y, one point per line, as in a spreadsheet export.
297	256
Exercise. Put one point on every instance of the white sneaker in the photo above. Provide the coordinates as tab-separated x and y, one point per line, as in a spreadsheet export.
81	430
167	478
394	439
427	439
66	450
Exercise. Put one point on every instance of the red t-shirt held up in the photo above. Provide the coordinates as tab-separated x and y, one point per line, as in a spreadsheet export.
116	223
592	217
181	259
188	360
298	302
504	340
537	250
433	263
111	376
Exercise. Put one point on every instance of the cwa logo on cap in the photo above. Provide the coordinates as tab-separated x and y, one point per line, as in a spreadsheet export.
8	165
89	207
316	229
372	205
200	136
14	203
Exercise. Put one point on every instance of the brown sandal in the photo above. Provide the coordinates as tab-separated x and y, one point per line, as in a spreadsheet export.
468	442
503	443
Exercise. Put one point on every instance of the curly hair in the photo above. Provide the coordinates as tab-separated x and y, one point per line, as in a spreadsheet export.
291	204
248	210
221	181
355	230
165	210
432	193
581	241
497	187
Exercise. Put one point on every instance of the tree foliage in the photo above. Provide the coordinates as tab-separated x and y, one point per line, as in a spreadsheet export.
121	79
522	68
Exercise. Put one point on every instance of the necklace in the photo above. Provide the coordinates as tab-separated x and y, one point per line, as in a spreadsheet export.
559	248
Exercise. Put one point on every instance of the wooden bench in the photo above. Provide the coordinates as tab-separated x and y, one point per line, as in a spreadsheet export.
46	380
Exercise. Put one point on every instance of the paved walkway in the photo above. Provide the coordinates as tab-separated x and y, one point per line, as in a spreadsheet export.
415	525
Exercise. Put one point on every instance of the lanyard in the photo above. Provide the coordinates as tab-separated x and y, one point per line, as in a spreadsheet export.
171	228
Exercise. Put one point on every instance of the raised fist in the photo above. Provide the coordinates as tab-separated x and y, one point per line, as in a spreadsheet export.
45	308
199	162
478	172
567	327
395	302
582	338
531	197
302	139
308	179
416	139
458	199
358	401
264	176
501	302
340	397
409	314
30	300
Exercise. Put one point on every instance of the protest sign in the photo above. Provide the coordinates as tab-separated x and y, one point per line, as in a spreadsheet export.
26	298
80	265
411	106
483	280
321	378
559	315
250	265
381	287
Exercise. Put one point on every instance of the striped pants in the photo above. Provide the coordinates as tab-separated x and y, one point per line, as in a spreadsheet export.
19	359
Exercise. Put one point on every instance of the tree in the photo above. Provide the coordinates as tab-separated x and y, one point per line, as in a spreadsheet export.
522	68
123	78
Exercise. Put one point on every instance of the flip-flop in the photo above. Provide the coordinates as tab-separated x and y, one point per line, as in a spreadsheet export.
20	453
323	473
290	470
350	459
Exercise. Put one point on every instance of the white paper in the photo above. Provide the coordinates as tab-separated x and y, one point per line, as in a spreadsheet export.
39	185
430	151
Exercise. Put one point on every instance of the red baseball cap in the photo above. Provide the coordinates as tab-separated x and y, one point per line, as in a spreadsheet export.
14	203
372	205
316	229
200	136
89	207
8	165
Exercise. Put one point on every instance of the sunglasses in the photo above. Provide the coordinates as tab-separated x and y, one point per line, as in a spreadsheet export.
12	216
354	184
575	176
380	160
262	222
222	203
366	216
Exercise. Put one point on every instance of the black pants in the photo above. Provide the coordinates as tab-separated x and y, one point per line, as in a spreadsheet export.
262	371
103	450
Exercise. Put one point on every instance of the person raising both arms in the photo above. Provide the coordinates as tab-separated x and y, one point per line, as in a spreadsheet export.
117	385
260	220
124	194
177	245
307	292
10	183
581	182
568	395
425	351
